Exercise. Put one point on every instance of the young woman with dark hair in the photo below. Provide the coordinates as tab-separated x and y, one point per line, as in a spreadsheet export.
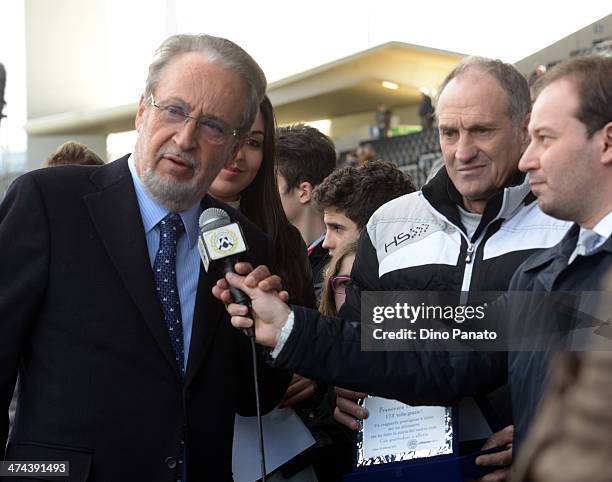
248	183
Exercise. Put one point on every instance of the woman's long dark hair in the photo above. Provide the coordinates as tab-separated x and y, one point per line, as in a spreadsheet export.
260	202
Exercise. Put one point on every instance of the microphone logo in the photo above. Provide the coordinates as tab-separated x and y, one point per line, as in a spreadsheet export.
224	242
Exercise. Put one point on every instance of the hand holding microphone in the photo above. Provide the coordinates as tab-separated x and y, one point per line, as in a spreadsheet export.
268	310
259	277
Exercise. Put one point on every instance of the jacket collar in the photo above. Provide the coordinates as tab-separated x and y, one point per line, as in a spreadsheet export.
564	249
442	194
115	213
116	216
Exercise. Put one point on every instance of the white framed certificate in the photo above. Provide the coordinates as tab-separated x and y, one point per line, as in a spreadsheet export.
395	432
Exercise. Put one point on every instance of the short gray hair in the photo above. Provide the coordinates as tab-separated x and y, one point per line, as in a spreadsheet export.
510	79
219	51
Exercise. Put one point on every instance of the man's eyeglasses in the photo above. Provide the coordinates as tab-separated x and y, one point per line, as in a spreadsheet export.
209	128
339	283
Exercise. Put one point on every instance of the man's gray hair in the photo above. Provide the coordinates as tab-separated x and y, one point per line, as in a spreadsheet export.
510	79
218	51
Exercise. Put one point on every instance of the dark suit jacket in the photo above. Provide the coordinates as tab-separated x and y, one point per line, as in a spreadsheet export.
81	321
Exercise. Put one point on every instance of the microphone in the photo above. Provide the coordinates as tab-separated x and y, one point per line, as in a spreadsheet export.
219	242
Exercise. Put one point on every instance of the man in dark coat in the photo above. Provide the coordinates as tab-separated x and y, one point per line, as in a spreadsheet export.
569	162
128	367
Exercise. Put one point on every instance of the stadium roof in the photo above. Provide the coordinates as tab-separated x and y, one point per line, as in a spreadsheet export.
346	86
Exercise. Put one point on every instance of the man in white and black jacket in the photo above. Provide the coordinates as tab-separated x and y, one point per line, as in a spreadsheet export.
474	223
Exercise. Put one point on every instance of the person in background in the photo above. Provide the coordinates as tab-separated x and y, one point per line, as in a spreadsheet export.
365	153
538	71
337	275
383	120
350	159
569	166
335	278
350	195
249	183
306	156
70	152
426	111
571	435
73	152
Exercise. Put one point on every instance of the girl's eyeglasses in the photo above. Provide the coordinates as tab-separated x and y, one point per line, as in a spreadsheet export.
339	283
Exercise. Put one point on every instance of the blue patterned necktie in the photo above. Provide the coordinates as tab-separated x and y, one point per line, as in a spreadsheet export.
164	269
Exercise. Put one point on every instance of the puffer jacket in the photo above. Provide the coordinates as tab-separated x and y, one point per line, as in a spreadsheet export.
417	242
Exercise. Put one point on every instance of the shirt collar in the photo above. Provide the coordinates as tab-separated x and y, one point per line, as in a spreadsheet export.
234	204
153	212
604	227
592	239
